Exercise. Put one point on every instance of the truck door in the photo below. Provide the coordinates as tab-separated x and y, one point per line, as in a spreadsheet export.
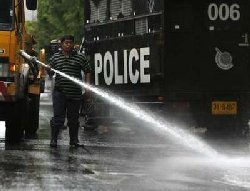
207	45
226	46
207	60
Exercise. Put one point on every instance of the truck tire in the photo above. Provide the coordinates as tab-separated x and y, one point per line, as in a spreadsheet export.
32	119
14	122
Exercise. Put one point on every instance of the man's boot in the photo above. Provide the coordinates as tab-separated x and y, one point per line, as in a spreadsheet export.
54	135
74	141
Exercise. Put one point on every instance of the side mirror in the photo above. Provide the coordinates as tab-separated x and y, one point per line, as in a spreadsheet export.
31	4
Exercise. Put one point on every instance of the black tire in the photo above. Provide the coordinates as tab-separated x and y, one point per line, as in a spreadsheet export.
14	122
32	119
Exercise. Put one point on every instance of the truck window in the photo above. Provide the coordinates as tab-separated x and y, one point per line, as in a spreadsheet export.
6	14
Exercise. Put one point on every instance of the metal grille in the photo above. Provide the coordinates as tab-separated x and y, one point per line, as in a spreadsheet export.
126	7
98	11
123	7
141	26
115	8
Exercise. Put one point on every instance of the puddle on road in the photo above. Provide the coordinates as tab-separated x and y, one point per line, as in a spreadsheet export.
213	169
208	173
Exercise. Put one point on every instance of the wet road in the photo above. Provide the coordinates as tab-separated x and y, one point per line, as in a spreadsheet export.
121	157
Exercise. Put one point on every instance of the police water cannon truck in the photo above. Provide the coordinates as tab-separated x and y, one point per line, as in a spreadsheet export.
188	59
21	81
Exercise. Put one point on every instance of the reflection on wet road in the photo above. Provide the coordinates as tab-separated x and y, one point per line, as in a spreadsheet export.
121	157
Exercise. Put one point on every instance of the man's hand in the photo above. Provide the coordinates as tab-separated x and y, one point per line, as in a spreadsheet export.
49	71
48	67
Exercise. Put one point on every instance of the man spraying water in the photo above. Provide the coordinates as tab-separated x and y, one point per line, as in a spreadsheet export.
158	124
67	95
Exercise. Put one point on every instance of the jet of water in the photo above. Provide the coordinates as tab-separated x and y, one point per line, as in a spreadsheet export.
163	126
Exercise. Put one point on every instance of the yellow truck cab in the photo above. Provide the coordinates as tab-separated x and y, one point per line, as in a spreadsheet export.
21	81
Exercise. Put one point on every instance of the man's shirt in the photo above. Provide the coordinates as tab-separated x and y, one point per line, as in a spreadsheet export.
71	65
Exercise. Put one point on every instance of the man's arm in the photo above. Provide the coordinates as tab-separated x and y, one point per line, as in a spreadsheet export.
87	80
49	66
49	71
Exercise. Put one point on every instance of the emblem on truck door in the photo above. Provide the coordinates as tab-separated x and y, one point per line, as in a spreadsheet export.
2	51
223	59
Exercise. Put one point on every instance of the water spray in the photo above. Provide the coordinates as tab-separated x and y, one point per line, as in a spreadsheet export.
178	133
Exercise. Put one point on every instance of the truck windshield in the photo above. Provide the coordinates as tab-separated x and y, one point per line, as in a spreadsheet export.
6	14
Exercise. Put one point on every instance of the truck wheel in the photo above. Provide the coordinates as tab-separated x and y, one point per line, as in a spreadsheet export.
32	119
14	122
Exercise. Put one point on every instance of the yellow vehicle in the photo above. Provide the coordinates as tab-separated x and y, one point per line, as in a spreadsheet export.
21	81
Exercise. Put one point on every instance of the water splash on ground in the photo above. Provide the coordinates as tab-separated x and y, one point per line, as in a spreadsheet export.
163	126
235	170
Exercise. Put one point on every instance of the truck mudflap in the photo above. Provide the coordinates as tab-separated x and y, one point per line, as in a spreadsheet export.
4	95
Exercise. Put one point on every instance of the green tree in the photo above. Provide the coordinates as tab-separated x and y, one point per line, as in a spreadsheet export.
56	18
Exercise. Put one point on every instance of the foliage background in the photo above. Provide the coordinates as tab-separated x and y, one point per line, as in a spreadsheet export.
56	18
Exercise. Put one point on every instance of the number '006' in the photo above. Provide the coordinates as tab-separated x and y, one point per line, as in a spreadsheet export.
223	12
